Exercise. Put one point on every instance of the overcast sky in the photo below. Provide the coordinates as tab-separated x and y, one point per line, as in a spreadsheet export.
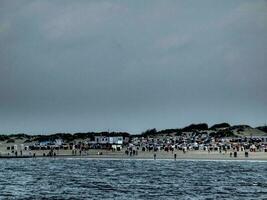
131	65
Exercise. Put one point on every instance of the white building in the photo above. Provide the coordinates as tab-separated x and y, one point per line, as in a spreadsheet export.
116	140
108	140
101	140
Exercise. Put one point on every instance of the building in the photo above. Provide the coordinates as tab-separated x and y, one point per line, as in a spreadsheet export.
108	140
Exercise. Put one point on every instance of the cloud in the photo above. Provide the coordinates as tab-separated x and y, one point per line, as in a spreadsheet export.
77	20
131	65
173	41
4	27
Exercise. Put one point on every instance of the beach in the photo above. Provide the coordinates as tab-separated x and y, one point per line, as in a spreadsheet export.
104	154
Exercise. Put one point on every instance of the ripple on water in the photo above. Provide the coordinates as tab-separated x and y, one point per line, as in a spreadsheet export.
131	179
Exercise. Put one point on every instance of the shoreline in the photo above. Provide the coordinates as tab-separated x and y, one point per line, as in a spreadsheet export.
213	156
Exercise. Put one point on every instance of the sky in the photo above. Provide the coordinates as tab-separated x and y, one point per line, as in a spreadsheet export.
97	65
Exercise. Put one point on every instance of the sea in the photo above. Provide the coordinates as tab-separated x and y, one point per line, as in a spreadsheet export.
83	178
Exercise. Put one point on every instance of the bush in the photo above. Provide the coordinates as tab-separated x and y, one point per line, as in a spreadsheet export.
149	132
262	128
4	137
10	141
169	131
221	125
195	127
222	133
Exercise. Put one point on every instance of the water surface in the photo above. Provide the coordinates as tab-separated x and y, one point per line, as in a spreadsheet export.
63	178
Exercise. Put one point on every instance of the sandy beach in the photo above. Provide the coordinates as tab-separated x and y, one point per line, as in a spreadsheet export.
108	154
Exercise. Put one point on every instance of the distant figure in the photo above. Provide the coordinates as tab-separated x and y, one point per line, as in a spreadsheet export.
246	154
175	155
235	154
16	153
231	154
155	155
21	152
34	155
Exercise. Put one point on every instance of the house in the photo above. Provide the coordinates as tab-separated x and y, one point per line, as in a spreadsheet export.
108	140
115	140
101	140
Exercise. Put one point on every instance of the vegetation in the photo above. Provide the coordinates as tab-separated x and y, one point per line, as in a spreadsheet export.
10	141
262	128
67	137
200	128
222	133
169	131
221	125
239	127
4	137
196	127
149	132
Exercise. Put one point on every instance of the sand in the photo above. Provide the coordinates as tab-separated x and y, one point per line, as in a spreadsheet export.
106	154
94	153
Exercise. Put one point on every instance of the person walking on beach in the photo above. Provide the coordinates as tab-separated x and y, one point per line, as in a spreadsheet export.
155	155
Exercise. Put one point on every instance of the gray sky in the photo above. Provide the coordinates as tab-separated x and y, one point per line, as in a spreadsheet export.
131	65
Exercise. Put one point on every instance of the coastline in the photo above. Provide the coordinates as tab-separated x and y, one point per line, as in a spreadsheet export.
161	155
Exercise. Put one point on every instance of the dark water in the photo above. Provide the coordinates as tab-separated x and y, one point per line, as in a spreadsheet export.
131	179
